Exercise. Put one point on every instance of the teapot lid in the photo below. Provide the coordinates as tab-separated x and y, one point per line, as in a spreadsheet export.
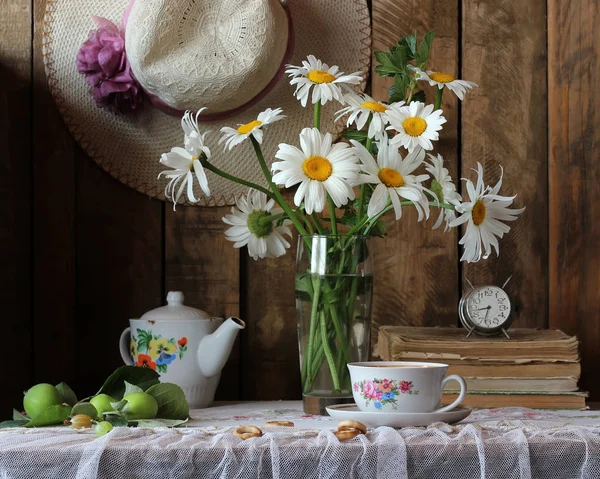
175	310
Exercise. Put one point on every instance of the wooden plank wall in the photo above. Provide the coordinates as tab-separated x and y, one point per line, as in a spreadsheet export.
82	253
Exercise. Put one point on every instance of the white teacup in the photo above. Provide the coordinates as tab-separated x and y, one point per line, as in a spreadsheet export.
402	386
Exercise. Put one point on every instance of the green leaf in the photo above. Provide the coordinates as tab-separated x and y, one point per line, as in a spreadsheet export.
161	368
419	96
425	48
397	97
171	401
116	420
114	386
131	388
85	408
304	283
360	136
118	405
410	42
401	83
160	422
401	57
348	218
437	190
51	416
17	416
387	66
68	396
13	423
379	229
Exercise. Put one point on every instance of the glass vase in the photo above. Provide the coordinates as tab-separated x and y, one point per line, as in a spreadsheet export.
334	290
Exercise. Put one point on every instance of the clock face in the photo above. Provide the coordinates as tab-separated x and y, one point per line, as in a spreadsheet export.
488	307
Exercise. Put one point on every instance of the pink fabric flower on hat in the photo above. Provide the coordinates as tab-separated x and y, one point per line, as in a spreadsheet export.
103	62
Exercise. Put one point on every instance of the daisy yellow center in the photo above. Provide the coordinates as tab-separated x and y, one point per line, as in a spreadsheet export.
320	76
441	77
374	106
414	126
260	223
478	213
248	127
317	168
391	178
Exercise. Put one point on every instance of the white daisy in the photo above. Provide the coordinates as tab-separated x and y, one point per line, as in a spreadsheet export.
360	108
254	223
444	189
483	215
189	124
441	80
234	137
393	178
319	167
417	124
325	81
184	160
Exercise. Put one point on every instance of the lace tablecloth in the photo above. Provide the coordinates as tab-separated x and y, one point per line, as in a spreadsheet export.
498	443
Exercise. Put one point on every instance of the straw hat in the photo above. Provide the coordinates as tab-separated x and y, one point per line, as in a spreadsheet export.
226	55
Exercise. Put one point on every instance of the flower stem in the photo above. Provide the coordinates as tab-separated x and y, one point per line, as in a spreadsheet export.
329	354
318	223
317	115
332	214
363	187
291	215
314	319
438	98
209	166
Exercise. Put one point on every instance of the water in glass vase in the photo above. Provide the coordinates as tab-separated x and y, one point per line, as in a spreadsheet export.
334	329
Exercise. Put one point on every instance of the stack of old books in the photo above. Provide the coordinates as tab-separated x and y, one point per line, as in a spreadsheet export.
534	368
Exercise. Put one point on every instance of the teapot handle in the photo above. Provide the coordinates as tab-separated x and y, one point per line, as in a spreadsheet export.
124	346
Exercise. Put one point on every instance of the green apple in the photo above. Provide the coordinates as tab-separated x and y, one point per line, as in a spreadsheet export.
103	428
140	406
39	398
102	403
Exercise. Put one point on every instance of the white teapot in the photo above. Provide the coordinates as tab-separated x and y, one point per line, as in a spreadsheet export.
185	345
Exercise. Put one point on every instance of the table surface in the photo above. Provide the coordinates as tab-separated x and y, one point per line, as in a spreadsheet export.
495	443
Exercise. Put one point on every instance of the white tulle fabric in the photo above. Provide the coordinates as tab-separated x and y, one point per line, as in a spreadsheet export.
129	146
218	54
492	444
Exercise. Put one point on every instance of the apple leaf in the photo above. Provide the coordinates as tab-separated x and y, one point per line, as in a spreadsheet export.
171	401
114	386
52	416
68	396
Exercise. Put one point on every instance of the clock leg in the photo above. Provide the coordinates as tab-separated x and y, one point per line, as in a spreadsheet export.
505	333
470	332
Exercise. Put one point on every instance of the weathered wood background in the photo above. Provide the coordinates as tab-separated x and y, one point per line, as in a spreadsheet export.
81	253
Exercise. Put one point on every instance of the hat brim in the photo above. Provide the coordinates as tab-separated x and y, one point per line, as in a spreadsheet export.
128	147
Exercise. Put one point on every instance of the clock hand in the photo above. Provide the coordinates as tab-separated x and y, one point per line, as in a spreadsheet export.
487	307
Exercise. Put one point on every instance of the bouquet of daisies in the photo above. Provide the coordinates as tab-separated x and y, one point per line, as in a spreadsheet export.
381	164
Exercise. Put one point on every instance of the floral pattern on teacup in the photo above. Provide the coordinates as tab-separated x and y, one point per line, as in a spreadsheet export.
383	391
154	351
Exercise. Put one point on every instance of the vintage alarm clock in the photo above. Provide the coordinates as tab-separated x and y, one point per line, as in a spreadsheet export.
485	310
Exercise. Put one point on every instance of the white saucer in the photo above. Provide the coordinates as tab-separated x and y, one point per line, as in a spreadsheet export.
397	419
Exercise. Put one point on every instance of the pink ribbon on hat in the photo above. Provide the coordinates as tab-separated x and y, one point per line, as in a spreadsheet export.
102	59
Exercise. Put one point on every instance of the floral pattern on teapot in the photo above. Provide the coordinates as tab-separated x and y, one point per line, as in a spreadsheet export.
384	391
154	351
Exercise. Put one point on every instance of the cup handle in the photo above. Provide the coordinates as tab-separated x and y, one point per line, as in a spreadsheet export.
124	346
461	396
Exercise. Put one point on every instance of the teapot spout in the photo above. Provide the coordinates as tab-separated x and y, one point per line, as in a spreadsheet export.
215	348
